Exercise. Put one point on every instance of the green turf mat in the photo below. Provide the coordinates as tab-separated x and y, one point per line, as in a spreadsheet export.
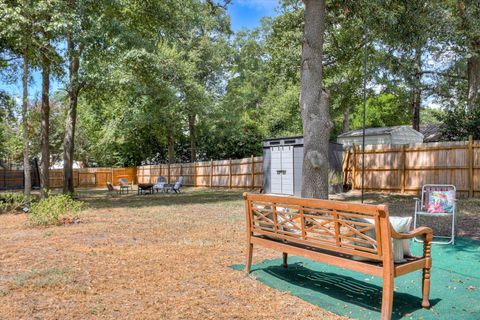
455	285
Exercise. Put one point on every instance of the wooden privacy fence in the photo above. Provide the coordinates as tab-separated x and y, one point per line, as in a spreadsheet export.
240	173
93	177
407	168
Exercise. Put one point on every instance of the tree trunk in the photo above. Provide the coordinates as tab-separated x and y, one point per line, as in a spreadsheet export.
45	125
171	146
69	139
417	91
193	137
314	104
346	120
26	151
473	70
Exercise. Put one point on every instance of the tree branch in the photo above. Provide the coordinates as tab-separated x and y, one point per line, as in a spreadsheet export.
443	74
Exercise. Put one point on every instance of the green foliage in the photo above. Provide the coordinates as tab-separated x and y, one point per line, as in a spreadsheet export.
459	124
157	76
55	210
10	143
14	201
384	110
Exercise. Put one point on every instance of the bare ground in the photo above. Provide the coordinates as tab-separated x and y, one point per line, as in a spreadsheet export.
153	257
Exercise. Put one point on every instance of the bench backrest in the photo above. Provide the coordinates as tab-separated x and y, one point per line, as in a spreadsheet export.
350	228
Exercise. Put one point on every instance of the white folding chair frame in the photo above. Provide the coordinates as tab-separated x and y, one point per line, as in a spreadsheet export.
420	210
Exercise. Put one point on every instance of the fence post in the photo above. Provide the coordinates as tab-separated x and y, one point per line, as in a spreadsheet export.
253	171
470	166
211	173
195	174
168	173
403	165
230	173
345	167
354	167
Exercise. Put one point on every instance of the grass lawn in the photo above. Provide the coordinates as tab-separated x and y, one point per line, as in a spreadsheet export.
161	256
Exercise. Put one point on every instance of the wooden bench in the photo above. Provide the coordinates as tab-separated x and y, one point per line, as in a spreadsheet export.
336	233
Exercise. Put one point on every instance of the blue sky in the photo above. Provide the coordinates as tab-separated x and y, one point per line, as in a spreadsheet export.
245	14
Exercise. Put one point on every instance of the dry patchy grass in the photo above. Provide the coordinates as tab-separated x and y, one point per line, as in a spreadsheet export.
161	256
140	257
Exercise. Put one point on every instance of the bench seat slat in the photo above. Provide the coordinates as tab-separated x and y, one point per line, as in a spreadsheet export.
321	256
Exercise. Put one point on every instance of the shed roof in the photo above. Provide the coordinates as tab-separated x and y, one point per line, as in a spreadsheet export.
375	131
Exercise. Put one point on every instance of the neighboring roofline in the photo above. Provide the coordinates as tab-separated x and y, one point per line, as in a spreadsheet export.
392	130
418	133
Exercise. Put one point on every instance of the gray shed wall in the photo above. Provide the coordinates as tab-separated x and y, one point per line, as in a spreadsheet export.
335	155
297	171
267	155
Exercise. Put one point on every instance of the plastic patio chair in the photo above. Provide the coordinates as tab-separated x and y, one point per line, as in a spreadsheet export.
178	184
124	185
438	200
160	185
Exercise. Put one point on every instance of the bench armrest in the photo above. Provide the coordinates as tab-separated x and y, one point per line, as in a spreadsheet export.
412	234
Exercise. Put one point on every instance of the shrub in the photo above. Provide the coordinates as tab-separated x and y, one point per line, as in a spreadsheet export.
55	210
14	201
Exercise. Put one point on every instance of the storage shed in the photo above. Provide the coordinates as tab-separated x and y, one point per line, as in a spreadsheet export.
283	164
386	135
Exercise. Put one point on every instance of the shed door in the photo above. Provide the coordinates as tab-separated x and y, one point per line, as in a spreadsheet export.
281	170
276	170
287	170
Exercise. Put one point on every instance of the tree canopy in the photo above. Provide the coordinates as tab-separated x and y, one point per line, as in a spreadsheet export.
162	81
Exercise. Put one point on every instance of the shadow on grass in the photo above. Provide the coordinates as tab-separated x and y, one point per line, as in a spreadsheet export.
343	288
100	199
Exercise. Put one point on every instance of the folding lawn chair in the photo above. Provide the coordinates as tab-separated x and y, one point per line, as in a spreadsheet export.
437	201
160	185
178	184
125	185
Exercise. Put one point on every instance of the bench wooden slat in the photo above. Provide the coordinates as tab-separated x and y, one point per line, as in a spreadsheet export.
319	256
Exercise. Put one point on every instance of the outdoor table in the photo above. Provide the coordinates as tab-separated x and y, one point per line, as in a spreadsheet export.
144	187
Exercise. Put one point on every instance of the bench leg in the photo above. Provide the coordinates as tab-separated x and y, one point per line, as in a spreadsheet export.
248	264
285	260
387	297
426	288
426	271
